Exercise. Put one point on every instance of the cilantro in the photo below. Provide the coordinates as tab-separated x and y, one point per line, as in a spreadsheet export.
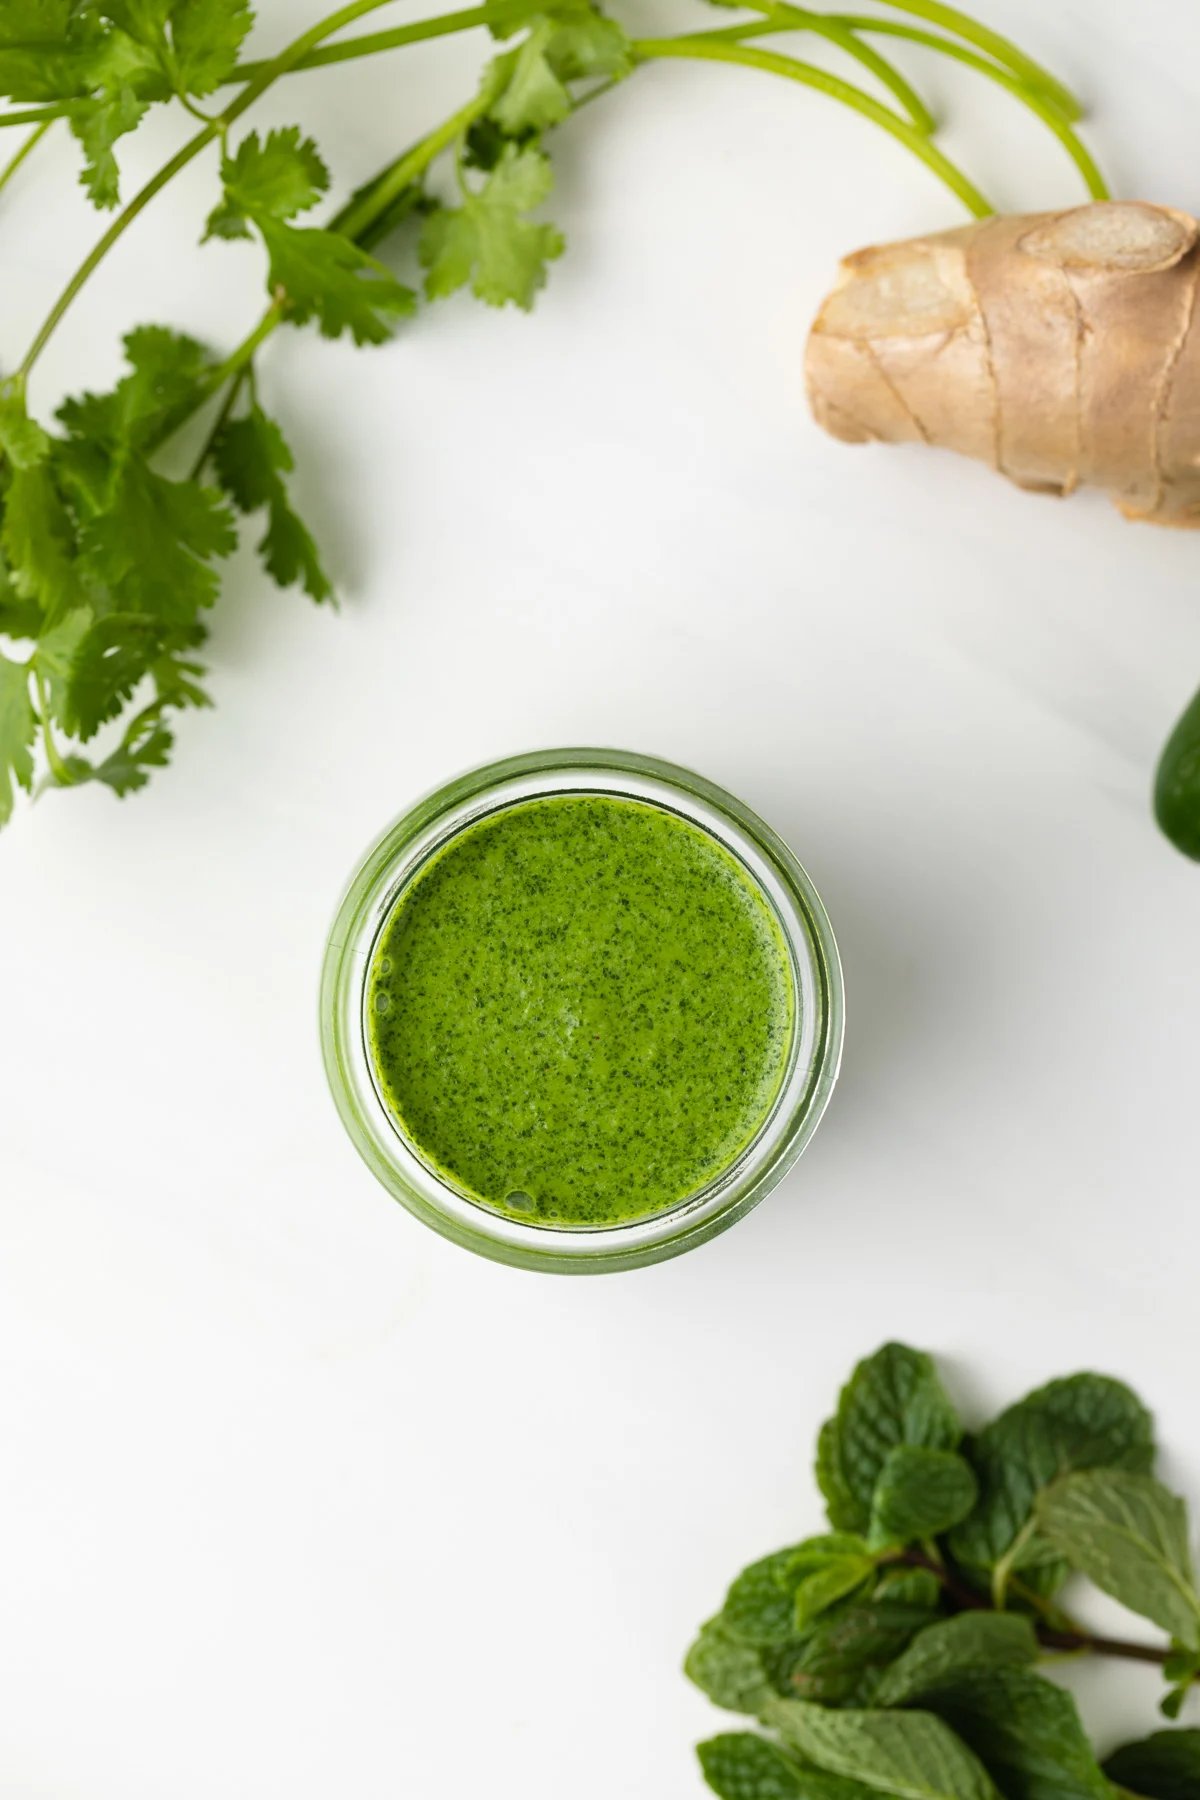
250	458
880	1666
276	180
313	274
569	44
488	241
17	728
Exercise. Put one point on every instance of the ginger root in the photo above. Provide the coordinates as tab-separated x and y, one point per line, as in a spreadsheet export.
1060	348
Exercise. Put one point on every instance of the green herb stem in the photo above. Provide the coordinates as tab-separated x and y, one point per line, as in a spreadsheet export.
498	12
713	47
1004	51
358	217
286	60
30	144
1074	1641
44	115
835	31
1035	98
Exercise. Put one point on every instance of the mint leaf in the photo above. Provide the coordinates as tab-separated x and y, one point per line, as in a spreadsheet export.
840	1657
1129	1535
1026	1731
17	728
906	1755
824	1570
759	1608
276	180
1165	1766
1081	1422
250	458
488	241
740	1766
942	1652
892	1398
728	1670
919	1494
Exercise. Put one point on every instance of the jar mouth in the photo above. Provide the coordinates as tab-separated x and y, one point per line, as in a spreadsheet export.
409	1172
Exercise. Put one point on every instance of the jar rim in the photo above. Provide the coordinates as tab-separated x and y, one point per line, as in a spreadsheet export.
424	831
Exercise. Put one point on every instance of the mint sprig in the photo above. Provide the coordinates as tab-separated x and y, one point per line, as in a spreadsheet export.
896	1656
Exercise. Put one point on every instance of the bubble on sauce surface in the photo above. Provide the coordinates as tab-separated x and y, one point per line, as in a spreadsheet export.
519	1200
382	1003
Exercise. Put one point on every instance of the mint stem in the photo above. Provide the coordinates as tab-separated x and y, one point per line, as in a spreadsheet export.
1049	1638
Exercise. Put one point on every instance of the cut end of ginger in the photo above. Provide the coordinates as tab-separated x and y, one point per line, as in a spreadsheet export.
1062	349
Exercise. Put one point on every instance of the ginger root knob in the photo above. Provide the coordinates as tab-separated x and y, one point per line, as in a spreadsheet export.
1060	348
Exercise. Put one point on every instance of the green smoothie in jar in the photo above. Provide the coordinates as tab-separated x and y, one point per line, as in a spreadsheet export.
580	1011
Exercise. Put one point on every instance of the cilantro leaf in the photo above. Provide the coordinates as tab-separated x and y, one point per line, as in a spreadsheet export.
166	371
111	659
54	660
195	42
570	43
17	727
250	457
276	179
323	276
153	545
146	746
488	240
208	35
40	544
22	440
97	130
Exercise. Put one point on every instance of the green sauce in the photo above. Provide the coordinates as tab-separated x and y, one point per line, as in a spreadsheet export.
580	1011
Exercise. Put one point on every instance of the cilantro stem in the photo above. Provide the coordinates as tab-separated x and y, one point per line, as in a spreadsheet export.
497	12
281	64
58	767
1001	48
44	115
30	144
836	31
713	47
358	217
1035	98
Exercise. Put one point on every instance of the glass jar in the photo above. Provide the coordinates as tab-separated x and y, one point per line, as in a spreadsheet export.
813	1054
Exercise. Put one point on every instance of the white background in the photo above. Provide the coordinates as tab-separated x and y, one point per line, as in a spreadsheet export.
297	1500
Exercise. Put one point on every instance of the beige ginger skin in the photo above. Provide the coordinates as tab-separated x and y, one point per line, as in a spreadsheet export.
1062	349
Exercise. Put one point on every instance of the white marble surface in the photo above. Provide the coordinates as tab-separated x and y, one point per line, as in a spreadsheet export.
298	1500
